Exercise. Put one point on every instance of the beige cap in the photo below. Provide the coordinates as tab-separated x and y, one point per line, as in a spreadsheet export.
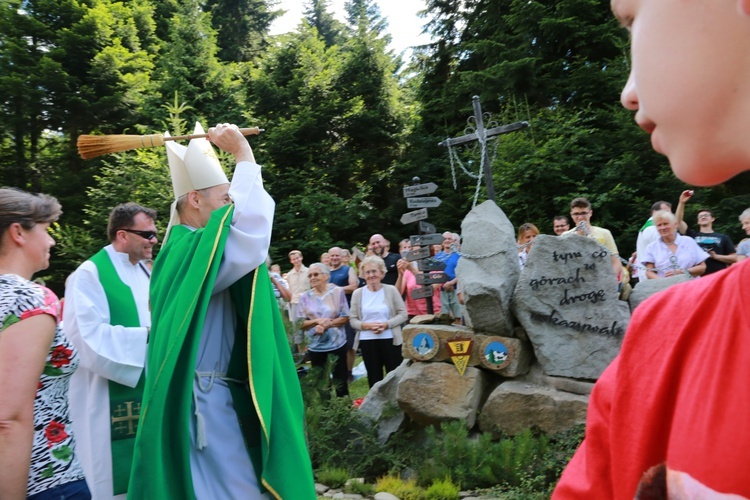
193	167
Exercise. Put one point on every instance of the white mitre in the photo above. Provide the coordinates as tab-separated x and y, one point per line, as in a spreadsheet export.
193	167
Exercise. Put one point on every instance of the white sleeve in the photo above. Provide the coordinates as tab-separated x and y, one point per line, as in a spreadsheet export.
250	232
649	254
117	353
645	238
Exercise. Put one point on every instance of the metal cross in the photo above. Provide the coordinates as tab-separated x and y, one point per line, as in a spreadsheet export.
481	134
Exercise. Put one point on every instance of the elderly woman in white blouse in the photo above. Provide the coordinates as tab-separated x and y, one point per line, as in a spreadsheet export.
377	313
672	253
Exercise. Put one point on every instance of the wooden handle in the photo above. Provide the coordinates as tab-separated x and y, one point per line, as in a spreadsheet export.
243	131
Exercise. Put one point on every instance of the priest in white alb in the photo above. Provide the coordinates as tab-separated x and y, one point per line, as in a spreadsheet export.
106	316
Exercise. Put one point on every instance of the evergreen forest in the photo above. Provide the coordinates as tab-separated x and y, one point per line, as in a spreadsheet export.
347	122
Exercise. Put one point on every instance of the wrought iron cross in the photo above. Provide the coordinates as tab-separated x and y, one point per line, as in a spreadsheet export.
481	134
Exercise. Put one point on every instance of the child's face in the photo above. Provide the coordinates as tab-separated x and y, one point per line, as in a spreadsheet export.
689	83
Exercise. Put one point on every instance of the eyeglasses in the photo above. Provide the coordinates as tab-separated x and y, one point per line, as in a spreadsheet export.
704	216
579	214
146	235
314	275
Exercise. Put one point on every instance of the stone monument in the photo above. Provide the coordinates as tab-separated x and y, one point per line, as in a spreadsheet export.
488	269
567	301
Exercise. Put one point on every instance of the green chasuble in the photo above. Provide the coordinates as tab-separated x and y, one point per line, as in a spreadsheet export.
271	415
124	401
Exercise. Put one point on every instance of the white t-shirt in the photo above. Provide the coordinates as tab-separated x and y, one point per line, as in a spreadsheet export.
374	308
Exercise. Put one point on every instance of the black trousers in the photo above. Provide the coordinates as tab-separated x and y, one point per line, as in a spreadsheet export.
378	355
340	373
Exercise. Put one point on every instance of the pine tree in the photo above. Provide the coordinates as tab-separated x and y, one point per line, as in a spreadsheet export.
189	66
68	68
319	16
241	27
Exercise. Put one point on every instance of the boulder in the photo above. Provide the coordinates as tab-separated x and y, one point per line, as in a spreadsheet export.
567	302
423	318
384	495
514	406
430	393
380	403
537	376
646	288
488	269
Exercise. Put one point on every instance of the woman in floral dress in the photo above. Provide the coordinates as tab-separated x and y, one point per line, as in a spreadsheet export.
37	448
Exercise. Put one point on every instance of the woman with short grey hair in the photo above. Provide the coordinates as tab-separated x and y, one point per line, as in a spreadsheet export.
322	313
378	311
672	253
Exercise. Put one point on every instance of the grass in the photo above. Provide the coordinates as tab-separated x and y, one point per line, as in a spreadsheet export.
359	388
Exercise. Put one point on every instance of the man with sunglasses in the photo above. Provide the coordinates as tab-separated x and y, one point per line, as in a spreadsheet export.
107	317
718	245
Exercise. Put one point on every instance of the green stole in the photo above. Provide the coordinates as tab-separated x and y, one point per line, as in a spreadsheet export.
271	413
648	223
124	401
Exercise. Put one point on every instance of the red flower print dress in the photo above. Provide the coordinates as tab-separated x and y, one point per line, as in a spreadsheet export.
53	460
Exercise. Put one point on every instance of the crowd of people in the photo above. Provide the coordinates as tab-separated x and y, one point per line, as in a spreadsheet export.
665	246
358	301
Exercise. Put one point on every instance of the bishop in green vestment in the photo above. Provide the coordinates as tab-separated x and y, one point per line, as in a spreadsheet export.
222	412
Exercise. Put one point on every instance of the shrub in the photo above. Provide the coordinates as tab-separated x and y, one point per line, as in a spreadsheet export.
442	490
332	477
527	465
338	436
358	488
480	462
404	490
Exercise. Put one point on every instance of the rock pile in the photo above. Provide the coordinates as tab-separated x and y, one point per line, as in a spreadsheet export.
536	340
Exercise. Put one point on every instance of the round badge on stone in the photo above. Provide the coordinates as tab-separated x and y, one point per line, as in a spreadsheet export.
423	346
496	355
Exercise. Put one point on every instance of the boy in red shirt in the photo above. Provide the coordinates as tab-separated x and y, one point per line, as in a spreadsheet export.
669	417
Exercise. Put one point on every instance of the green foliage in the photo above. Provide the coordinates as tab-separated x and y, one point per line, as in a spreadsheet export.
74	244
337	436
534	461
332	477
66	68
359	388
360	488
403	489
241	27
527	464
334	133
189	65
442	490
141	176
319	16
